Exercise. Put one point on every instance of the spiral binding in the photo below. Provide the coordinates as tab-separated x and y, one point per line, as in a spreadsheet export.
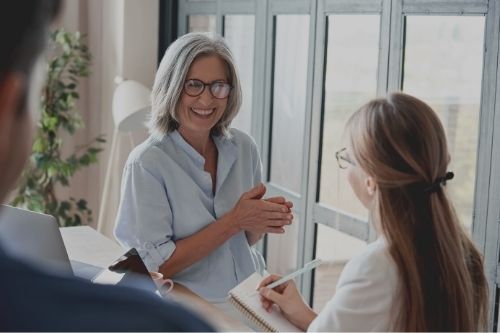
250	314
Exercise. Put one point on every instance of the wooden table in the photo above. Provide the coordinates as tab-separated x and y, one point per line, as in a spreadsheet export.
90	251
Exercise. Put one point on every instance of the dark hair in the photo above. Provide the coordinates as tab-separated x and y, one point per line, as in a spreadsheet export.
23	32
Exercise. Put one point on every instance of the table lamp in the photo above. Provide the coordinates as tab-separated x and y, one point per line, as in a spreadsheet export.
131	104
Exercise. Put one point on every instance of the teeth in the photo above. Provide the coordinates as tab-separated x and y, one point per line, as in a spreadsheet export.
203	112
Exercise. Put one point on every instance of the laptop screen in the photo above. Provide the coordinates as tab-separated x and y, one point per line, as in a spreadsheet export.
129	270
35	238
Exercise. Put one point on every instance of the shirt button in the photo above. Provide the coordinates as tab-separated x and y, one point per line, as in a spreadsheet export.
148	245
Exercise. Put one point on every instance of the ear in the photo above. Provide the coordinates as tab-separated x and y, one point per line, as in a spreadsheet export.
11	88
371	185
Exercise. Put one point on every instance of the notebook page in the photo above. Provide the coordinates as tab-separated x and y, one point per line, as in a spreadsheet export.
245	293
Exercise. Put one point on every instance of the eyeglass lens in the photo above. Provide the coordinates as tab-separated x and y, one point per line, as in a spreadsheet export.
343	158
218	89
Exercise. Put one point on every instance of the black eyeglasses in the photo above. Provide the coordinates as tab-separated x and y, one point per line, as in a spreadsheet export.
218	89
343	159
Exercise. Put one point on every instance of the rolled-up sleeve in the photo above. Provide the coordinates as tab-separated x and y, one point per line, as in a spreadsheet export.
144	218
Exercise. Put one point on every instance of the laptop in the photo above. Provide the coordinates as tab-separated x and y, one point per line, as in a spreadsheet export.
36	238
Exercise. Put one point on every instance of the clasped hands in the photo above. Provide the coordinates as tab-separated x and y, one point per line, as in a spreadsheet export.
254	214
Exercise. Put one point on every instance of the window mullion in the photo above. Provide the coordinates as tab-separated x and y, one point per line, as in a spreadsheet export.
396	47
485	225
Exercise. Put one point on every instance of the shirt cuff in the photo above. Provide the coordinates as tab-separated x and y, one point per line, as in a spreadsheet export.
258	261
154	255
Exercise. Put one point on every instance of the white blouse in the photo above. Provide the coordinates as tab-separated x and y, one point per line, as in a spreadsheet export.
365	294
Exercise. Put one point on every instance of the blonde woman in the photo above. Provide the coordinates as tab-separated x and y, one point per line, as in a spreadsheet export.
192	194
423	273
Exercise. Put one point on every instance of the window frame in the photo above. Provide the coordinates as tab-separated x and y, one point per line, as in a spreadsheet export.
485	232
486	215
319	213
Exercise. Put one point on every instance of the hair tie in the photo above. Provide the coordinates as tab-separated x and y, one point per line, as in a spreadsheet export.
440	181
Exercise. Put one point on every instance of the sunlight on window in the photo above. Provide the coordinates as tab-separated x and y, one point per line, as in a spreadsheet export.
239	31
282	249
443	66
350	81
289	100
201	23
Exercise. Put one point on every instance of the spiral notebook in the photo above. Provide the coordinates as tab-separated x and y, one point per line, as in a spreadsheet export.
244	298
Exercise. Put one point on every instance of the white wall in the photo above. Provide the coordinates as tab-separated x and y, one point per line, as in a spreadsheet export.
122	36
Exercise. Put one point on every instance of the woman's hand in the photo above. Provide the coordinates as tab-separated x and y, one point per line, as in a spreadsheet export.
254	237
253	214
289	300
280	201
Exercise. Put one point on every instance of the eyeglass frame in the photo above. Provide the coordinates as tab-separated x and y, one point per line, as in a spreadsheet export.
209	89
339	156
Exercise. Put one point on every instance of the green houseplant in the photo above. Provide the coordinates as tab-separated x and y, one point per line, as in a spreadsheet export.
70	60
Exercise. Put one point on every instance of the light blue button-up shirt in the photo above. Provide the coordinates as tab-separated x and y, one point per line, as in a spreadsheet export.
166	195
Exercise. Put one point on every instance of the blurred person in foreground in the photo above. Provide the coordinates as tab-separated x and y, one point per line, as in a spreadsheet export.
31	300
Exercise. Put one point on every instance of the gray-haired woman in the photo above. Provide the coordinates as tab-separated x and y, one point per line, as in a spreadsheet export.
192	193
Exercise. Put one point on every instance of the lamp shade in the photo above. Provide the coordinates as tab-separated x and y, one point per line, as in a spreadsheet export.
131	105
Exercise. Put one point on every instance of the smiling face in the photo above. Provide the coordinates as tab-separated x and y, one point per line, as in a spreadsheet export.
201	113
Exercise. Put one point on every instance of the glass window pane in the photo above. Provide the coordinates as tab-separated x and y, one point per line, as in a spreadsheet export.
201	23
443	66
350	81
239	31
282	249
335	248
289	100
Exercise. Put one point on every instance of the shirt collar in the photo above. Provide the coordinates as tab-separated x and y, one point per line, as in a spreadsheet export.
228	154
227	151
188	149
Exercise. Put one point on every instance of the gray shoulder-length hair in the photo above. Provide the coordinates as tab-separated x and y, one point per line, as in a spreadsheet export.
170	77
